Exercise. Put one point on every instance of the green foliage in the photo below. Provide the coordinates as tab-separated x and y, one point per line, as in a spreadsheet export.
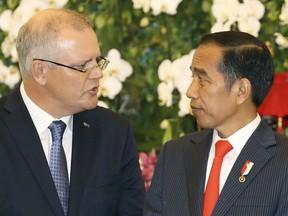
117	25
269	25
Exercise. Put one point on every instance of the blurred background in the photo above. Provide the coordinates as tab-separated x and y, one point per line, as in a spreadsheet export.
150	44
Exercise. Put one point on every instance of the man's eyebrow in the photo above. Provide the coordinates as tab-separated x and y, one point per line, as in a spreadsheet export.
199	71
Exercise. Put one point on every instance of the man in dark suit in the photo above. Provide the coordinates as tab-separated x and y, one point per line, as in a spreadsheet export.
60	64
232	73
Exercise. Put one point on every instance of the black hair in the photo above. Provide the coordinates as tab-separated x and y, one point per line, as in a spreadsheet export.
244	56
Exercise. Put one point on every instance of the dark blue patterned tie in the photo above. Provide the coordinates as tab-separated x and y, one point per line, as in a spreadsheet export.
58	165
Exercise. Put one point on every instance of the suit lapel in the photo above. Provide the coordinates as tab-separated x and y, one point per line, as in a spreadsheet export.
85	135
254	151
29	144
195	168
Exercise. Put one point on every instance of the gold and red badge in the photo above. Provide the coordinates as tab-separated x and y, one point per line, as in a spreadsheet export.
245	170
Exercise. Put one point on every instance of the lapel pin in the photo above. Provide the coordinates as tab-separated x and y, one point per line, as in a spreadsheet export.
245	170
86	125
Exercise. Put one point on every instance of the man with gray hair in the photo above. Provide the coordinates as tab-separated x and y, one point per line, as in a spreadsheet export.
60	153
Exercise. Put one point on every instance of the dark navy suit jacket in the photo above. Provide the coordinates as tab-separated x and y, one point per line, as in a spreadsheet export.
179	180
105	174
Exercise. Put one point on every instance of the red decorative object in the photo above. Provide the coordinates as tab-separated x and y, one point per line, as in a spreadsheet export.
147	165
276	102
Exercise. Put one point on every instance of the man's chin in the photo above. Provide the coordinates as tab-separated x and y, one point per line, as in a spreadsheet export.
202	125
91	105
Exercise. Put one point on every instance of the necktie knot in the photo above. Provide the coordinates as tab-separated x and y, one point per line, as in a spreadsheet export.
57	129
222	148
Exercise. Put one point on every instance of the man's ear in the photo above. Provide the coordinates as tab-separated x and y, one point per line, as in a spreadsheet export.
244	90
38	72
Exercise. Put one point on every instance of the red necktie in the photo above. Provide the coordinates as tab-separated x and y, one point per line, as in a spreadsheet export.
212	189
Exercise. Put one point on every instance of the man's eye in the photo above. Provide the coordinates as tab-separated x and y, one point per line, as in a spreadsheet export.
81	67
202	80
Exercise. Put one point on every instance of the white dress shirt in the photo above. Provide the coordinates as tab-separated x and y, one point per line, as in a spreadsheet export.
238	141
42	120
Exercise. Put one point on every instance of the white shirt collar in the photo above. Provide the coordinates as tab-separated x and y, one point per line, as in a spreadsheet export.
240	137
41	118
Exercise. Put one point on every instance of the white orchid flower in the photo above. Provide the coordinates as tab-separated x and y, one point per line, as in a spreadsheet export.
220	26
174	75
117	66
281	40
165	71
250	25
251	8
5	19
43	4
284	14
144	4
224	10
164	6
11	22
182	73
165	96
7	46
246	15
184	106
110	86
9	75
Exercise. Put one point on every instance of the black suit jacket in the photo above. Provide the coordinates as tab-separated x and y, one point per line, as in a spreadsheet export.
105	174
179	180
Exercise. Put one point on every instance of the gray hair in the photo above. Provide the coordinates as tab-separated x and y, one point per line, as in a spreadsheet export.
38	37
